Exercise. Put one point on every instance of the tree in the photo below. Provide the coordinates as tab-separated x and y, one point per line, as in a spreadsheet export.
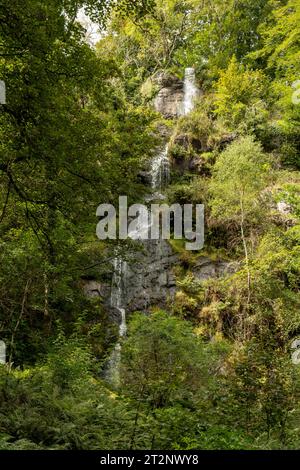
163	365
239	176
69	141
241	97
279	56
265	381
160	359
144	47
221	29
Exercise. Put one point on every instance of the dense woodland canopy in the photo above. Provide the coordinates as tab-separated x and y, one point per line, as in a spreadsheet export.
76	131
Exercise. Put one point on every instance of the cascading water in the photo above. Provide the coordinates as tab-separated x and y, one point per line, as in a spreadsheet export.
160	169
159	175
117	291
191	90
117	301
160	166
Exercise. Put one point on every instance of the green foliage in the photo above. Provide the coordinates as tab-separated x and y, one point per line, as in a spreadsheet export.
213	371
280	56
281	40
222	29
240	97
63	152
201	127
239	176
159	344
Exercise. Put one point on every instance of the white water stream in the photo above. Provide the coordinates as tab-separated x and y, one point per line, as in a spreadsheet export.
118	289
190	91
160	176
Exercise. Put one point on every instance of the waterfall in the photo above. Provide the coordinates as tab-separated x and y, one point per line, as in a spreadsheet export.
160	175
117	290
160	169
159	172
190	90
117	301
2	352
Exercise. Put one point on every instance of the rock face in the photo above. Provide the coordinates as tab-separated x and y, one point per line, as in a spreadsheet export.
169	100
150	280
94	289
205	268
190	152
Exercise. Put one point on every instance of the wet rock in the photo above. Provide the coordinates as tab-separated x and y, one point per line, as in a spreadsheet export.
163	279
169	100
144	177
226	140
171	280
150	279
